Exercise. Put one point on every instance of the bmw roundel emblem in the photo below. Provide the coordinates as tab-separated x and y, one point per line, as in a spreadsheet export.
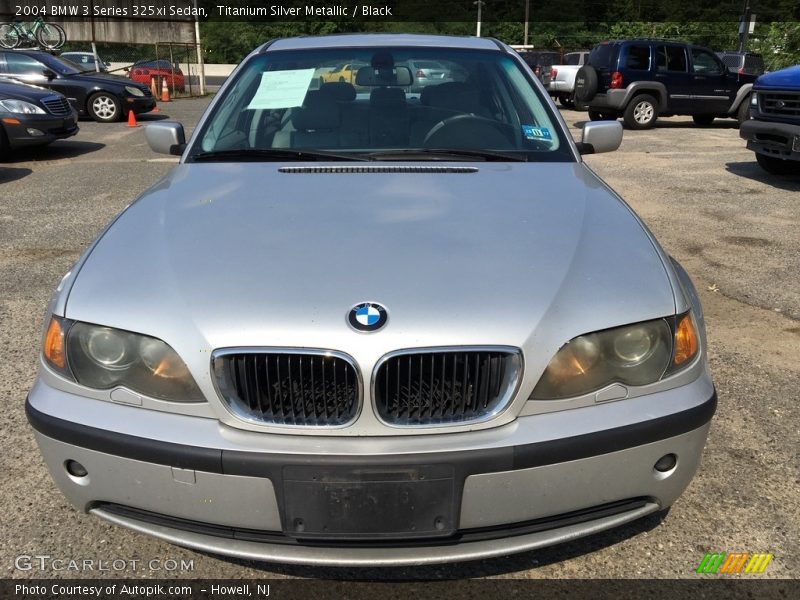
367	316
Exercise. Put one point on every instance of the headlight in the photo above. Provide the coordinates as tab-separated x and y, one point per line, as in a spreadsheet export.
20	107
754	99
104	358
134	91
637	354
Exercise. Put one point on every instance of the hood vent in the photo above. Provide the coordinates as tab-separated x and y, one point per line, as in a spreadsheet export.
379	169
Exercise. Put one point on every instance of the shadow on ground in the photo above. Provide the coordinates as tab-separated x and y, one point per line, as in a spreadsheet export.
751	170
55	151
472	569
7	174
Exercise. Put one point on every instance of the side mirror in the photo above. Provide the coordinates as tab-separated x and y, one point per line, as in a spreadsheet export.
600	136
49	73
166	137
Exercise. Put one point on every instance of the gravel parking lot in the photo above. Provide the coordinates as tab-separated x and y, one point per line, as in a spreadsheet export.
732	226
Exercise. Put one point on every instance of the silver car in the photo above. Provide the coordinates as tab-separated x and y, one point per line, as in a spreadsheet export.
357	326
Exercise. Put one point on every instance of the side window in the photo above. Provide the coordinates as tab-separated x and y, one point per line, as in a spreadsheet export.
671	58
19	64
638	58
705	63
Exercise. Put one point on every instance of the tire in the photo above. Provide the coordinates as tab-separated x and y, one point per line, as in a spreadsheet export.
776	166
581	106
51	36
104	107
703	120
641	112
596	115
567	101
743	114
5	148
585	83
9	36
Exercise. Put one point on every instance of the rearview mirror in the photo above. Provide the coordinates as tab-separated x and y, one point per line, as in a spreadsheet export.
374	77
166	137
600	136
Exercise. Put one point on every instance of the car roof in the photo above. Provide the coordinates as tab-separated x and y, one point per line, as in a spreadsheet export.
382	39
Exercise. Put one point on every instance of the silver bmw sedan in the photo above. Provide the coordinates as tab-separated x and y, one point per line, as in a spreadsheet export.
378	321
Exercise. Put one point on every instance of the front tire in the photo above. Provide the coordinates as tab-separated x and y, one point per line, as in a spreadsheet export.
703	120
104	108
776	166
641	112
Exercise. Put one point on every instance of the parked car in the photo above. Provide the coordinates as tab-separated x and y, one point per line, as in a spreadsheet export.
541	62
389	348
32	116
429	72
773	133
562	77
161	70
102	97
85	61
343	73
745	63
640	80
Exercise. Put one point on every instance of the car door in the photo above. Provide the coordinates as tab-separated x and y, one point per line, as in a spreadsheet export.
672	69
711	88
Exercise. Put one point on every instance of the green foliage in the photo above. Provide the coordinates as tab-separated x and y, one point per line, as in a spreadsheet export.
779	44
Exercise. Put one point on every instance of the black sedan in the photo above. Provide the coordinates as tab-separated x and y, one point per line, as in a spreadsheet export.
102	97
32	116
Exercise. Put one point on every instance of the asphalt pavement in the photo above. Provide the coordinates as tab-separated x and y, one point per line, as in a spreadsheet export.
734	228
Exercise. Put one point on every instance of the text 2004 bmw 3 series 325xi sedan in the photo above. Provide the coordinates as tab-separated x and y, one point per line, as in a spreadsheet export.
360	324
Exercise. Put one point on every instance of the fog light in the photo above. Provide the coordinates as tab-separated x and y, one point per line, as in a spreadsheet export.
34	132
666	463
796	144
75	468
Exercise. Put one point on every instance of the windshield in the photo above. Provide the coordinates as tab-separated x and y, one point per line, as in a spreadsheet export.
390	102
61	65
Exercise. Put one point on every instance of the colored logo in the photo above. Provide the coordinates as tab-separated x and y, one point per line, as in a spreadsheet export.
367	316
722	563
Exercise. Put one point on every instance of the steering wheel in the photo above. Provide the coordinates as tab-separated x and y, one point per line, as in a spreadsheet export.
469	132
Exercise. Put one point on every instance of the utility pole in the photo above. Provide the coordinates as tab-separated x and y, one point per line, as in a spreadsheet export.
744	26
527	15
199	48
480	3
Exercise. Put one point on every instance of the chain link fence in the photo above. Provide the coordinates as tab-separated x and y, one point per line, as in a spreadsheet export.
170	63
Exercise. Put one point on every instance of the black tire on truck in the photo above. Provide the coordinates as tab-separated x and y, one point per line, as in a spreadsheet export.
585	84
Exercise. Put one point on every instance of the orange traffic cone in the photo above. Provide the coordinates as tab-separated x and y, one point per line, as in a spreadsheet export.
164	91
132	119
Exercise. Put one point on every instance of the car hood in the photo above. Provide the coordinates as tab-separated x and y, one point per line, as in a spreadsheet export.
783	79
103	78
20	91
522	254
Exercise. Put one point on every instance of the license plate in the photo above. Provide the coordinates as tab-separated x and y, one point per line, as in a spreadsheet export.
364	503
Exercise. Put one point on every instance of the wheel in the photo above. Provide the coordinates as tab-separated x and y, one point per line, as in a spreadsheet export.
596	115
743	114
567	101
585	83
5	148
468	132
104	108
9	36
641	112
50	36
776	166
703	120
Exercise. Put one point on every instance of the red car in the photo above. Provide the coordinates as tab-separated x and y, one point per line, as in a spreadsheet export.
144	71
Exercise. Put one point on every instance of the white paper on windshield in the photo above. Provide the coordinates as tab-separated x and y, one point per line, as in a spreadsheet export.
282	89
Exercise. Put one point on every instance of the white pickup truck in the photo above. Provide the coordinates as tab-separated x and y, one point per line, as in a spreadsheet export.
562	77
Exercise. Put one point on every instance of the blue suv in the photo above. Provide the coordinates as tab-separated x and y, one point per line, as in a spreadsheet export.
642	79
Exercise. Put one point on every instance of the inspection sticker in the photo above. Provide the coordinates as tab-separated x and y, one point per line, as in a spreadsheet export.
536	133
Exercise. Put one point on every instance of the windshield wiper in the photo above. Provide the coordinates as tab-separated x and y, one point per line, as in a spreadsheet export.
268	154
446	154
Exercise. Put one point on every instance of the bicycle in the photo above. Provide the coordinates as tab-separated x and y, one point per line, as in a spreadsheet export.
48	35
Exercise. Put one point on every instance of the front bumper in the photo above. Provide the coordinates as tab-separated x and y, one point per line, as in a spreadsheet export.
514	489
138	104
50	129
781	140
